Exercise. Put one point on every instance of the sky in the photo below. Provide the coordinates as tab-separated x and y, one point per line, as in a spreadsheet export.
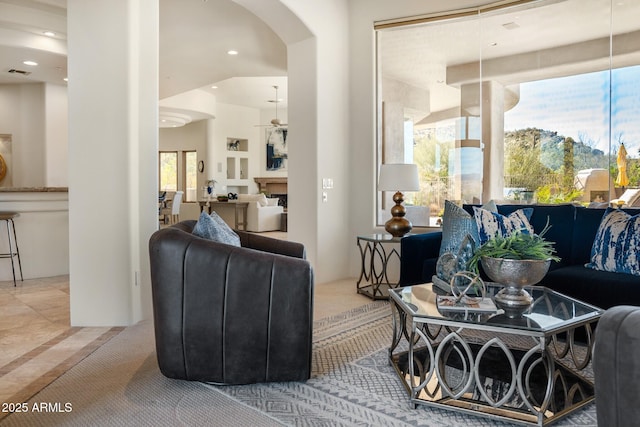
578	106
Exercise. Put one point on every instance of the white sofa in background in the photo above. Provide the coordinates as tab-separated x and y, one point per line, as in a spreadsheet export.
263	214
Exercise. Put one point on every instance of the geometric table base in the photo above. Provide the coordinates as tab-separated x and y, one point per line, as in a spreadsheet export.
506	374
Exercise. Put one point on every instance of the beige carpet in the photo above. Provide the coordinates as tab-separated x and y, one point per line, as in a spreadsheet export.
120	385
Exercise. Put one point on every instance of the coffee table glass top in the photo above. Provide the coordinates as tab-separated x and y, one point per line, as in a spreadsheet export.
549	312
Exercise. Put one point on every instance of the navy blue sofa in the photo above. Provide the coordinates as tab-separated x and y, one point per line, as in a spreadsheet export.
573	229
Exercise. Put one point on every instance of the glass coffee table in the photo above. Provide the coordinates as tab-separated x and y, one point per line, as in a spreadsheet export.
529	370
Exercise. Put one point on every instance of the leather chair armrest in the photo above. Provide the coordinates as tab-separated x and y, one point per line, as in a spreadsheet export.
268	244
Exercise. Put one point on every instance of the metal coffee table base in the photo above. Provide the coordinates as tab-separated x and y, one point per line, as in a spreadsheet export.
483	373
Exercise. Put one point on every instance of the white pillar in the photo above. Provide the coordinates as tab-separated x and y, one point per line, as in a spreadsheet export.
493	140
113	143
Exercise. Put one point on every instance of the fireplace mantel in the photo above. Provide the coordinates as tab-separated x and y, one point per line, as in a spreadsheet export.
272	185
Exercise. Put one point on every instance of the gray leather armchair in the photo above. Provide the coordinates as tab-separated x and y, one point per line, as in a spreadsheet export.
231	315
616	367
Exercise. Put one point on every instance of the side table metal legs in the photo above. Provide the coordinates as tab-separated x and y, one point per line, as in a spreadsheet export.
373	271
13	243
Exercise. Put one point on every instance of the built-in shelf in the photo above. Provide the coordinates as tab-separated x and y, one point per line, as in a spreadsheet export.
237	144
238	164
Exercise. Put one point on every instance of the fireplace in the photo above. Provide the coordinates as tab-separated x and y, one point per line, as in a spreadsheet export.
272	185
282	199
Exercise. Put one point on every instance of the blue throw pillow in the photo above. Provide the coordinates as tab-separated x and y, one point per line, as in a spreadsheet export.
214	228
616	247
491	224
457	224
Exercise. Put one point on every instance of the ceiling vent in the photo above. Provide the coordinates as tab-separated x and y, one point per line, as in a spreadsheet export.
24	73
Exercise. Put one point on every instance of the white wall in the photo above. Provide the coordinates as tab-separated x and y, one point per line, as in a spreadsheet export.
113	145
234	121
315	34
35	114
56	136
22	116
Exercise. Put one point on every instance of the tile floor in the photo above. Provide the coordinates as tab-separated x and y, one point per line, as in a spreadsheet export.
37	344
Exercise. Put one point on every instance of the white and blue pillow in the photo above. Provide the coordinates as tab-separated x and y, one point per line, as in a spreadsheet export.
458	224
491	224
214	228
616	247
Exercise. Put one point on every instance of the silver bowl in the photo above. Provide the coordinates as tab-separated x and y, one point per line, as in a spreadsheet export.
514	274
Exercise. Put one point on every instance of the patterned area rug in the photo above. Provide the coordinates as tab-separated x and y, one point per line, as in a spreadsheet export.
353	383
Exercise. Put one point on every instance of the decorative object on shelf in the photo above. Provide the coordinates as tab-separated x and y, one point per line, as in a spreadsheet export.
398	177
211	189
222	198
232	196
515	261
201	166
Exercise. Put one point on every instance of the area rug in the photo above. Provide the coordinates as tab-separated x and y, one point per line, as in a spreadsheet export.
352	385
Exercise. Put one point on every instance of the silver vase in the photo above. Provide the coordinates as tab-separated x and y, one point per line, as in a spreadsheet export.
514	274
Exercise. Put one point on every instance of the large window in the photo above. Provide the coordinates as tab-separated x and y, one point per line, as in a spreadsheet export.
524	103
179	176
168	171
190	176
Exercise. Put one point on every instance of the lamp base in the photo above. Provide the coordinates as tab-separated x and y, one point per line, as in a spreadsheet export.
398	225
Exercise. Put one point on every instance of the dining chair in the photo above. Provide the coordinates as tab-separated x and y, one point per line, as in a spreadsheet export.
173	210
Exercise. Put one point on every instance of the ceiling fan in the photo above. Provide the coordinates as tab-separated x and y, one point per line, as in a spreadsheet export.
275	122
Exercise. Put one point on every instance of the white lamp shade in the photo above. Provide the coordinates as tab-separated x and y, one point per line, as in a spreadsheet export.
398	177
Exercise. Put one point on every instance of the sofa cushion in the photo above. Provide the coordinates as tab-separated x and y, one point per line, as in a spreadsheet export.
600	288
491	224
616	247
584	233
260	198
214	228
457	223
561	219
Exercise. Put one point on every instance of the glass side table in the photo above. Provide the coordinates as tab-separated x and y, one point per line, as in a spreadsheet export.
374	280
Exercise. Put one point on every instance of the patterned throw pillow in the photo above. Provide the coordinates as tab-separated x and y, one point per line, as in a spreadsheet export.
214	228
491	224
457	224
616	247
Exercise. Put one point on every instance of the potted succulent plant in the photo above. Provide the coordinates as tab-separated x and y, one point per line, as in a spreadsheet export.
516	260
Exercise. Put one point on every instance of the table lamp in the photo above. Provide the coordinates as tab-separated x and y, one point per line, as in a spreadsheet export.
398	177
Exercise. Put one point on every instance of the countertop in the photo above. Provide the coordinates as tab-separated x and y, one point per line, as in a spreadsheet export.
34	189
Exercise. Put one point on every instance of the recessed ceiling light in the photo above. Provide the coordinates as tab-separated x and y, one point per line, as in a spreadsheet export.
232	52
66	79
49	33
214	87
32	63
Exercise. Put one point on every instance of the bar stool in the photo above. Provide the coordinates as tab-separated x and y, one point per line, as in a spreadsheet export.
8	217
